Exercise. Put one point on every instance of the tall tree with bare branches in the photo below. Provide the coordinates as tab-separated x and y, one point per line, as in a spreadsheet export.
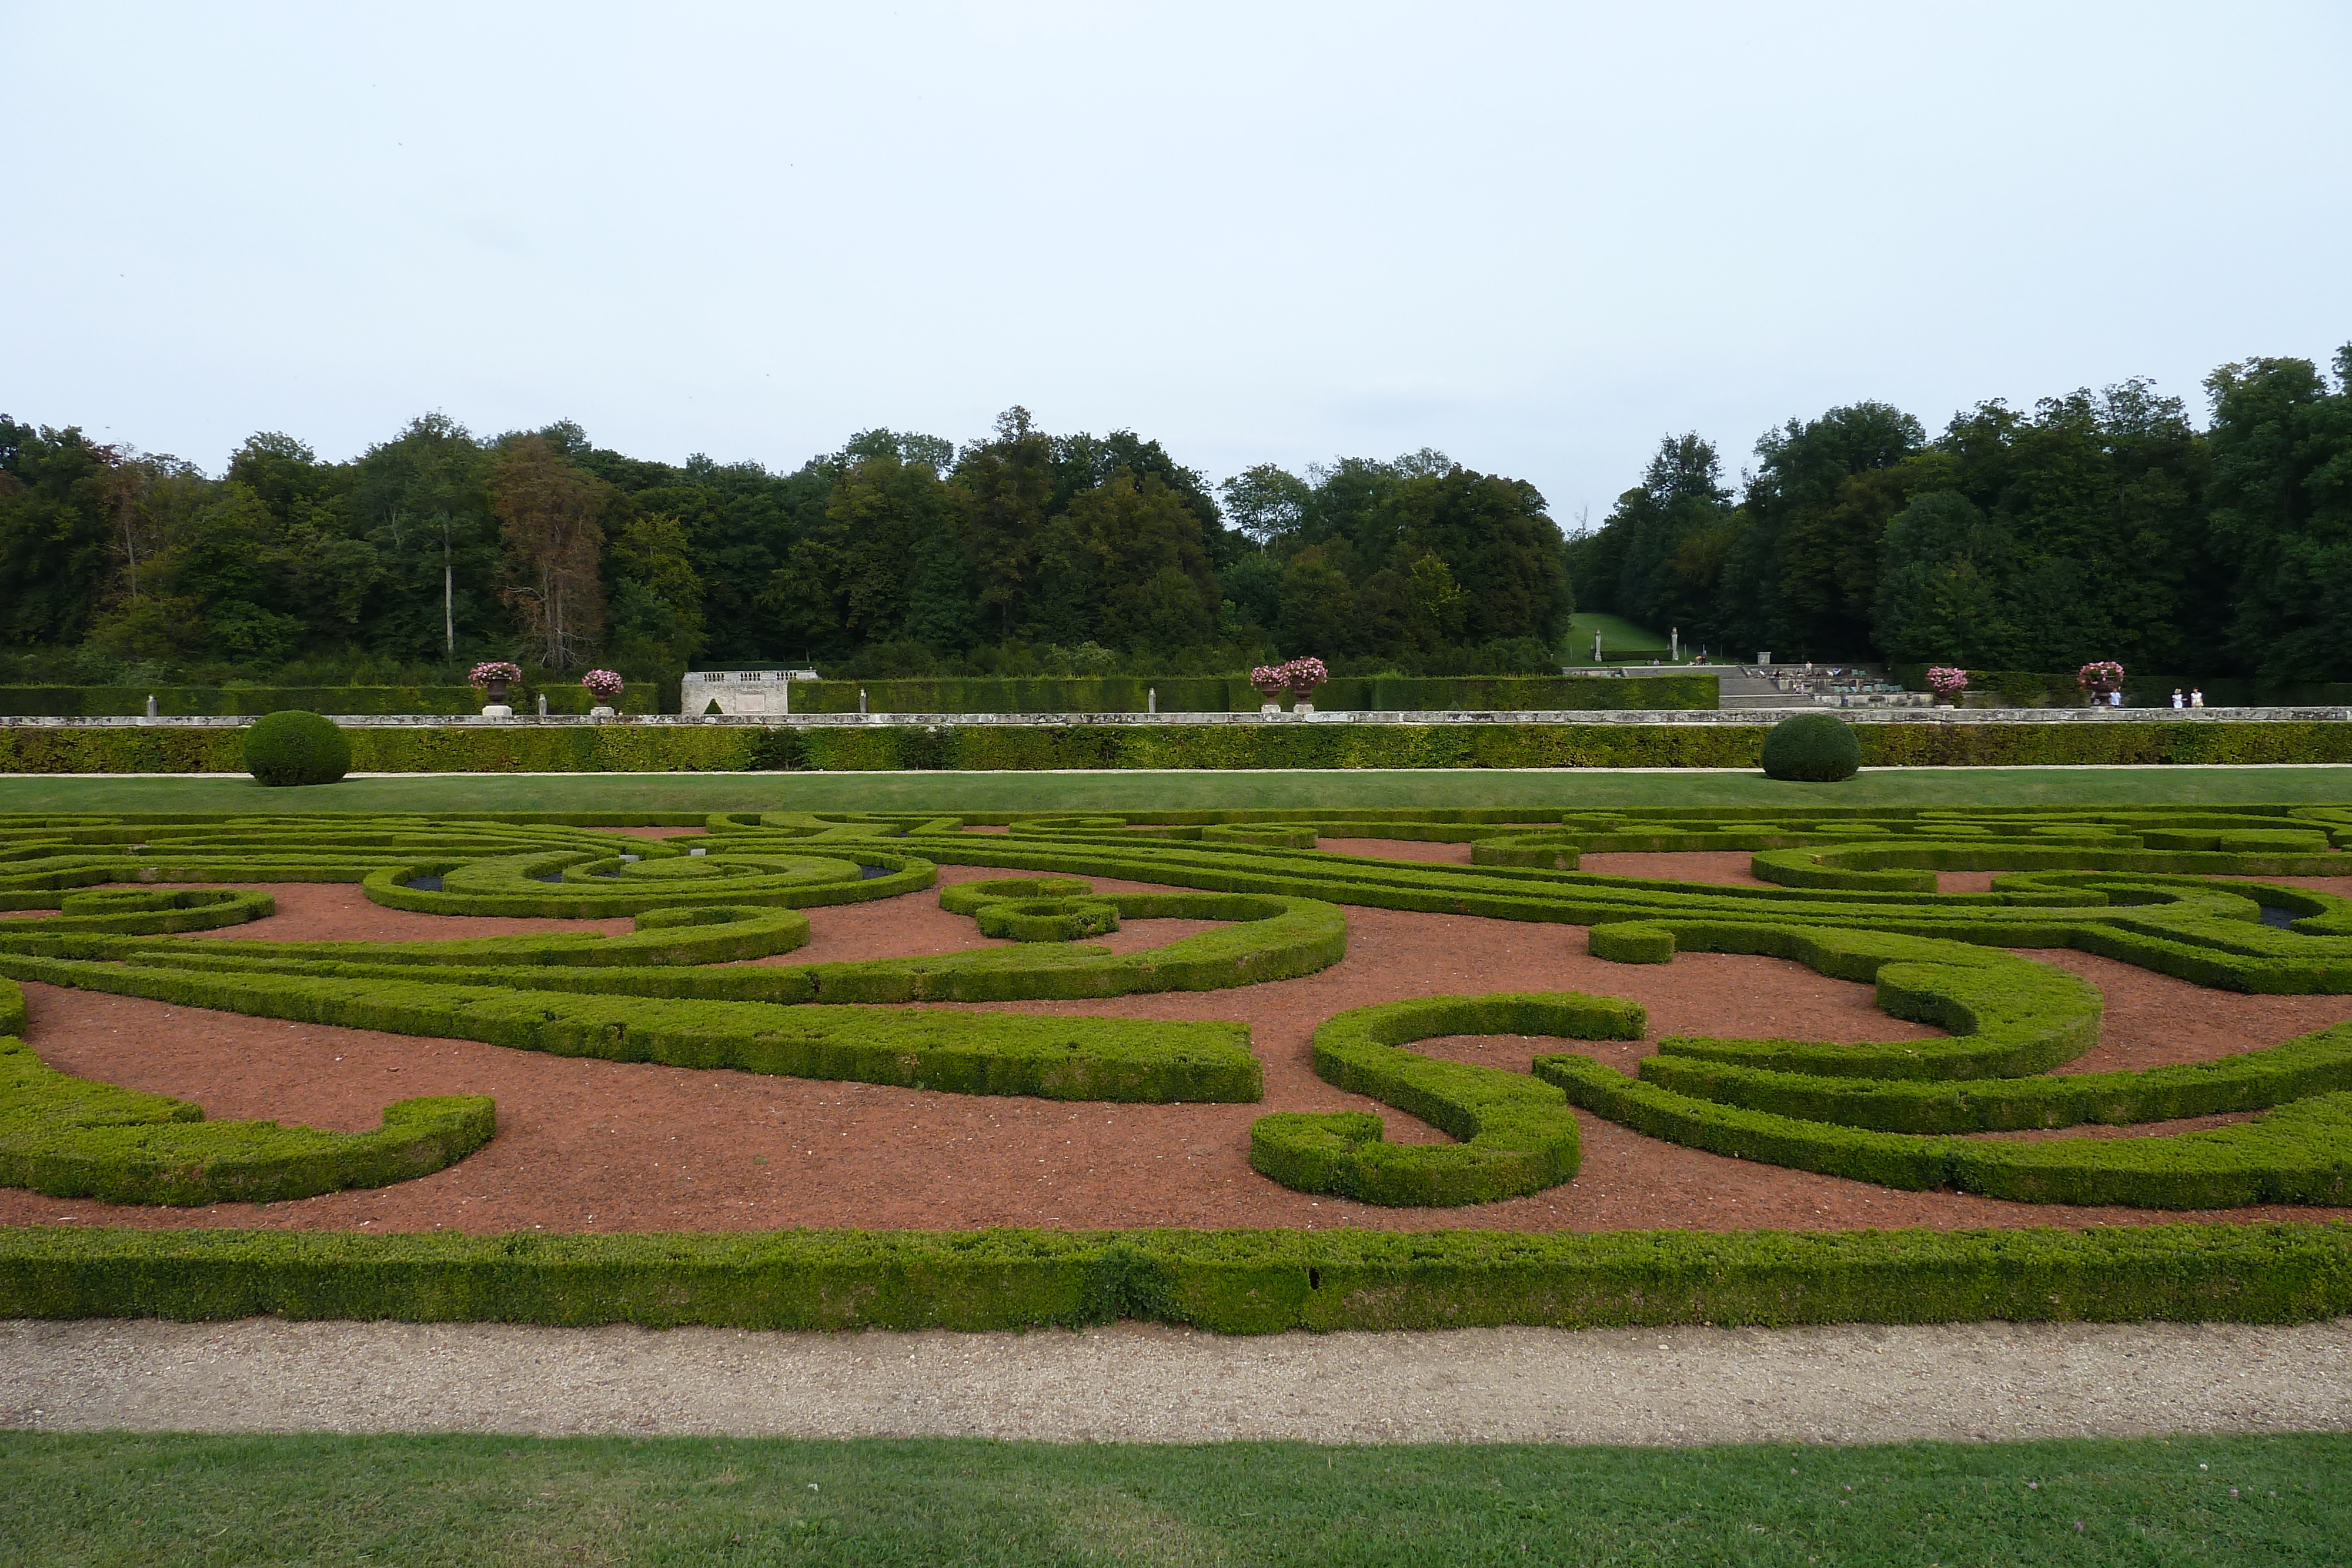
550	513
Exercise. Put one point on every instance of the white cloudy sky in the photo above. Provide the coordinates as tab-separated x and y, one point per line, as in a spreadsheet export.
1537	236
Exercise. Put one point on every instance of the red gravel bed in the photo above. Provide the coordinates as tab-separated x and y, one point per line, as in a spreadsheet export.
1397	850
1729	866
595	1146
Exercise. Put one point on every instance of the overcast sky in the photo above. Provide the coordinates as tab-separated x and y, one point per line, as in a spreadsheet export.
1535	237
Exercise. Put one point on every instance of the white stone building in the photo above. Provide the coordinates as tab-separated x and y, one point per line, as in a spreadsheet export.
754	693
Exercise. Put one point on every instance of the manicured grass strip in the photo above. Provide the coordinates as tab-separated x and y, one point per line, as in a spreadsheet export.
332	1502
628	796
954	1052
69	1137
1516	1134
1235	1281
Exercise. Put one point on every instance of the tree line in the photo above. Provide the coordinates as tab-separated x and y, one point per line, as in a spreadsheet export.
1019	553
2098	525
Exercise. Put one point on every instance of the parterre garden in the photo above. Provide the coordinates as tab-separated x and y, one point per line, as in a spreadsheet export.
1049	987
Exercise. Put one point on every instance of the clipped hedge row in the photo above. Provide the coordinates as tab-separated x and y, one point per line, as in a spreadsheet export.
70	1137
1516	1134
2006	1015
663	936
1911	865
1048	919
2039	688
631	749
131	702
1268	939
954	1052
1232	1281
1217	693
2317	1063
573	885
2300	1153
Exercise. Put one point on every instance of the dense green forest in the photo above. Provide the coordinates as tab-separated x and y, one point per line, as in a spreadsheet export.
1021	553
2100	526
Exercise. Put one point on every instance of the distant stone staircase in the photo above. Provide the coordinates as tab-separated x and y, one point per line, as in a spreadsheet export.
1792	685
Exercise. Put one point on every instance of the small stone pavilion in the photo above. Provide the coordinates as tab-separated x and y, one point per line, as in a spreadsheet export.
739	692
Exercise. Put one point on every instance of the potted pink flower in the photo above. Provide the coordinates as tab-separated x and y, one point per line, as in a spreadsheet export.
1271	681
1947	682
606	687
493	676
1305	674
2104	679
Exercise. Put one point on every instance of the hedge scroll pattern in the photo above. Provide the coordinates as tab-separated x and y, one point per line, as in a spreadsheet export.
1853	895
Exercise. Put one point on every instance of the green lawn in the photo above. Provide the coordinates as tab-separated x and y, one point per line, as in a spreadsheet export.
1564	788
1620	639
474	1500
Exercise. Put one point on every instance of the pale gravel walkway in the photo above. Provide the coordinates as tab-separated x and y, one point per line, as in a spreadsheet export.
1148	1384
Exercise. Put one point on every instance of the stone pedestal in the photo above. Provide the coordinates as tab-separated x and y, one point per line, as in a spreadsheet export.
498	710
601	711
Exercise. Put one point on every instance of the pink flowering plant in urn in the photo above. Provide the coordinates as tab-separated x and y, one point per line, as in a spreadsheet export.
1271	681
1947	682
606	687
2102	678
1305	674
494	675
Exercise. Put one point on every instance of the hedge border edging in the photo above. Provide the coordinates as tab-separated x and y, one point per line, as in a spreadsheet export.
1259	1281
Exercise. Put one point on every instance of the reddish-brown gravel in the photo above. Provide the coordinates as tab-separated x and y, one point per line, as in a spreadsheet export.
620	1146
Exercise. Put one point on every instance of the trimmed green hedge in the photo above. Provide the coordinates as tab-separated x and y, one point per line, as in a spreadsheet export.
2317	1063
1516	1134
2035	688
1213	694
2301	1153
954	1052
1048	919
292	746
570	884
1232	1281
733	747
69	1137
970	897
131	702
2006	1015
1812	749
1875	865
1267	939
663	936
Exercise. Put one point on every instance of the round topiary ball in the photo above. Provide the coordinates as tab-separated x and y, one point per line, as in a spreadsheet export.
1812	748
295	747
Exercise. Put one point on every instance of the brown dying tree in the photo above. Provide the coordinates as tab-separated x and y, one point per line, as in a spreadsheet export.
551	516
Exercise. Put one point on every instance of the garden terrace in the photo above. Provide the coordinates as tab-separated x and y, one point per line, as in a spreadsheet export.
1959	1021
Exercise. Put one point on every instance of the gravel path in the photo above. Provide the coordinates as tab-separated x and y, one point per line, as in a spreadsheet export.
1151	1383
